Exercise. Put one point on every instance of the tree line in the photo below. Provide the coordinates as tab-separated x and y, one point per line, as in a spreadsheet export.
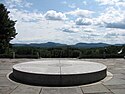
66	52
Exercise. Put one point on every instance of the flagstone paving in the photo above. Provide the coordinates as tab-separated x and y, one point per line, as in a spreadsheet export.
116	85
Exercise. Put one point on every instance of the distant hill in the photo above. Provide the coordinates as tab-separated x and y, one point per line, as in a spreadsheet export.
90	45
48	44
78	45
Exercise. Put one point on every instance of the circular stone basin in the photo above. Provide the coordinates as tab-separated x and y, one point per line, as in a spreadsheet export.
59	72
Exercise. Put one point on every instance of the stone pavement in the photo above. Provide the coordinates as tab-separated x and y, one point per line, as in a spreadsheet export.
116	85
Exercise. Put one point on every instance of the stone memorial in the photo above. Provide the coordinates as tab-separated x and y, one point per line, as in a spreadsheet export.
59	72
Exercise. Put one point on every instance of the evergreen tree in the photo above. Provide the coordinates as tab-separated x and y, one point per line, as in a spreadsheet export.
7	29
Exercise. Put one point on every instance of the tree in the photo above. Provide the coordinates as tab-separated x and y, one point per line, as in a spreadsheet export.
7	29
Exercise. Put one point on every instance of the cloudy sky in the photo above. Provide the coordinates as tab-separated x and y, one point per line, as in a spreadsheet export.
68	21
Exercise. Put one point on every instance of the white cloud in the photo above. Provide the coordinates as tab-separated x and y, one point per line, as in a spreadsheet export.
53	15
120	25
69	29
42	31
83	21
81	13
28	5
18	15
18	3
64	2
38	27
84	2
108	2
117	3
72	6
111	18
89	29
114	35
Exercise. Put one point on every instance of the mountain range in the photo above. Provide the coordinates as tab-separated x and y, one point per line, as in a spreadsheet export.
78	45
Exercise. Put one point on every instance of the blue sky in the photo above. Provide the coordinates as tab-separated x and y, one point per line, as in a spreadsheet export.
68	21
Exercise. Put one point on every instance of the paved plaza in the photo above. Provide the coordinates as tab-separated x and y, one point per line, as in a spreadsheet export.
115	85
